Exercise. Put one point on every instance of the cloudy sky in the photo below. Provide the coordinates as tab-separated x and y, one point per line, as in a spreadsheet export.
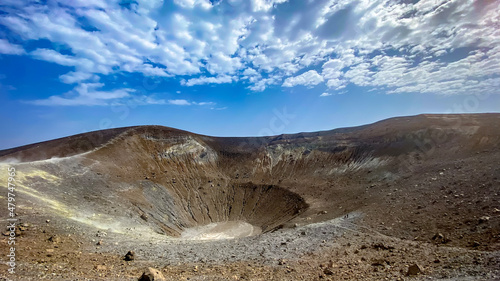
241	67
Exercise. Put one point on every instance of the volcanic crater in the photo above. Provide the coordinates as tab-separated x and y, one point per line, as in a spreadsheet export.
261	208
159	190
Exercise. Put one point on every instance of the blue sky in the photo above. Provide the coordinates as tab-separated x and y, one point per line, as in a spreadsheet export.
241	68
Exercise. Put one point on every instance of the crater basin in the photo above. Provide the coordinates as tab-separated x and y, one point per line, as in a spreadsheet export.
221	230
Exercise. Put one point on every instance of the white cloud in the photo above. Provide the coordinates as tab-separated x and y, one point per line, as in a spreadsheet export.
60	101
205	103
89	3
336	84
75	77
397	46
144	100
262	83
223	64
186	102
219	108
207	80
55	57
310	78
179	102
85	94
332	69
265	5
325	94
149	70
88	94
8	48
250	72
332	72
335	64
190	4
90	91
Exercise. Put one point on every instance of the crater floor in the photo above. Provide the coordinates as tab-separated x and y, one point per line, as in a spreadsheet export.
221	230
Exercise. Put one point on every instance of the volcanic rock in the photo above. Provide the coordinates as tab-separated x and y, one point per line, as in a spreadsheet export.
130	256
413	270
152	274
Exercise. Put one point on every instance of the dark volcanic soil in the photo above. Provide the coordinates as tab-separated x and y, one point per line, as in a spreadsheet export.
364	203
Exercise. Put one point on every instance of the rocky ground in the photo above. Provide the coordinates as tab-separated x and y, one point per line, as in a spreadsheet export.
334	250
371	203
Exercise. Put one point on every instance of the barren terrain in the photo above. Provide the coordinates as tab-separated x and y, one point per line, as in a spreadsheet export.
408	198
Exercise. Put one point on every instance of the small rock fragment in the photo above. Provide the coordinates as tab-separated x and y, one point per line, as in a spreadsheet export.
54	239
327	271
484	219
378	262
440	238
413	270
130	256
152	274
381	246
